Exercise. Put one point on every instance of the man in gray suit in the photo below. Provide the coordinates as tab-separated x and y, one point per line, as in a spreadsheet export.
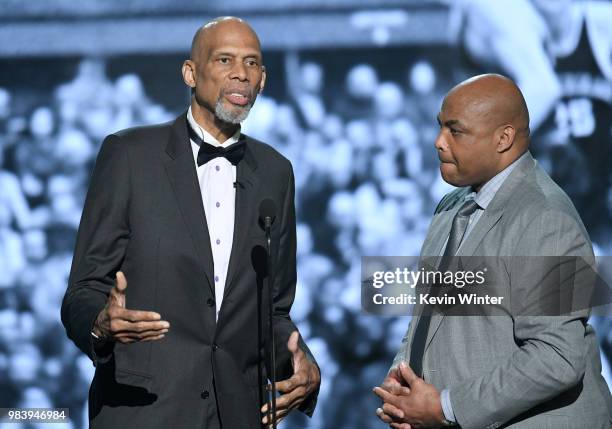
515	371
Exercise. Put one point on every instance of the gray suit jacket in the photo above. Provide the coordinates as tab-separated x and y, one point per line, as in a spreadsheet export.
516	371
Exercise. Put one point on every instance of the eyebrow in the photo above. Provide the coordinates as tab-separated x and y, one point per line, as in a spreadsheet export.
234	54
450	122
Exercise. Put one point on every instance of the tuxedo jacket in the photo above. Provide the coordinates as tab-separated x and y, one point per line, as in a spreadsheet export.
144	215
522	370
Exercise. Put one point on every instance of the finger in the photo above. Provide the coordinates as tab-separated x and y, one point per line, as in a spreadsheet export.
298	355
143	326
393	411
292	344
386	396
407	373
118	326
280	414
293	399
391	380
139	315
155	333
287	401
141	335
120	282
282	402
116	298
400	426
395	374
127	340
137	339
293	382
396	389
382	416
155	338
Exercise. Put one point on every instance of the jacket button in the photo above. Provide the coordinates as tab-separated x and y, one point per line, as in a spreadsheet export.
210	302
204	394
215	347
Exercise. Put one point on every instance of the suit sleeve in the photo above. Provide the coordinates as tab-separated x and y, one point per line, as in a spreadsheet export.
552	354
284	293
101	244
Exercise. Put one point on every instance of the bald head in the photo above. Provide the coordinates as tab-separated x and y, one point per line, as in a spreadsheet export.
484	128
497	101
201	39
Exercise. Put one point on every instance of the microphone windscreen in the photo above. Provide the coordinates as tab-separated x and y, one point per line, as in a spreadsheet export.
267	208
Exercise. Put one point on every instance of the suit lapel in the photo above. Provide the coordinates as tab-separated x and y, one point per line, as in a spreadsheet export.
183	177
495	210
431	251
484	225
438	232
247	185
489	219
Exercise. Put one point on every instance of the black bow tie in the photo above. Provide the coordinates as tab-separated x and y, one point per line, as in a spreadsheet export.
233	153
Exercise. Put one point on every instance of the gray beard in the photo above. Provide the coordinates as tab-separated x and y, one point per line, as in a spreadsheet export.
232	117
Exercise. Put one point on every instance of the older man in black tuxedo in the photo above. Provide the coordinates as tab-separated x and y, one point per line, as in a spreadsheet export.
172	209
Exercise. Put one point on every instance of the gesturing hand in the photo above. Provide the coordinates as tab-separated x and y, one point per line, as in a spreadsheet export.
305	380
116	323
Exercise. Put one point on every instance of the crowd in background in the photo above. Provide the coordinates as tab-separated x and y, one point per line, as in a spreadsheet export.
367	183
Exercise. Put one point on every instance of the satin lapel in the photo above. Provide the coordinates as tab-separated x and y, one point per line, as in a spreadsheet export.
247	185
181	171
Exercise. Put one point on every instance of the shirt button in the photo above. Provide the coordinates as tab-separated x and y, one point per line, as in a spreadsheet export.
216	278
210	302
204	394
218	241
218	204
217	168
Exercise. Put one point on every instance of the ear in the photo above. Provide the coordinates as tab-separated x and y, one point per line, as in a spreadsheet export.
505	138
262	84
189	72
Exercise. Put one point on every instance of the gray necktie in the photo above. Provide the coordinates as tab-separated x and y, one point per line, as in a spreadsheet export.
460	223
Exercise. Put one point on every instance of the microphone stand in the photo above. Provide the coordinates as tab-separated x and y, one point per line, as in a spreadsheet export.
267	225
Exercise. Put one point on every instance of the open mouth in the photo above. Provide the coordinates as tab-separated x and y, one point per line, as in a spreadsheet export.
237	98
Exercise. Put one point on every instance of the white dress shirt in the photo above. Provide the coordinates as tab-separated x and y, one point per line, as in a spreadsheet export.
216	179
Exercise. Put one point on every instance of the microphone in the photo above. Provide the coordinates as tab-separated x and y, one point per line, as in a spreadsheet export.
267	212
267	215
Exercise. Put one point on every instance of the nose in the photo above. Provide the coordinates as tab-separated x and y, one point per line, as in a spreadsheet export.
440	143
239	71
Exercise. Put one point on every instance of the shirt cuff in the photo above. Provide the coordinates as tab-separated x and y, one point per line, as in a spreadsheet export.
101	351
447	407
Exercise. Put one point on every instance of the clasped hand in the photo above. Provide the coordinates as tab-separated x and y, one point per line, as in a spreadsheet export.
408	401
